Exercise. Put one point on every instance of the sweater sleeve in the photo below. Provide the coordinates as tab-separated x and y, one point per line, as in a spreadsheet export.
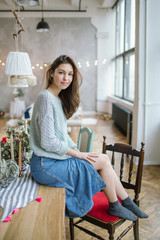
49	141
71	144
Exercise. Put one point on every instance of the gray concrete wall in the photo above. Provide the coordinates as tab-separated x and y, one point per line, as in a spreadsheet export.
73	36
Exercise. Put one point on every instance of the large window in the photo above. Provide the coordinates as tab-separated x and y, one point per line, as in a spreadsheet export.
125	49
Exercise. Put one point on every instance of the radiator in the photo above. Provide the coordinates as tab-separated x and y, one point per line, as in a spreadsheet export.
123	120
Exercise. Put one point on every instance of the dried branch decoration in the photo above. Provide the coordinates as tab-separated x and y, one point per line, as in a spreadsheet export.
19	23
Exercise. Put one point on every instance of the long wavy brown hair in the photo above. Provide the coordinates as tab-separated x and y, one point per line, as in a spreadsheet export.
70	98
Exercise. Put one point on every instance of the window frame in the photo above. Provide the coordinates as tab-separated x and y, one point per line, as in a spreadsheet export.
124	53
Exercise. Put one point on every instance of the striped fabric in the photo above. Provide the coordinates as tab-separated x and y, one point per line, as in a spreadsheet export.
18	194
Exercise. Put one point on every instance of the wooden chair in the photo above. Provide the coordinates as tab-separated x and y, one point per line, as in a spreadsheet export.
85	139
98	214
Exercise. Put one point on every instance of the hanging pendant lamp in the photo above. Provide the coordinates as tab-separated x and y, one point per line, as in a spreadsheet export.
19	70
42	26
18	65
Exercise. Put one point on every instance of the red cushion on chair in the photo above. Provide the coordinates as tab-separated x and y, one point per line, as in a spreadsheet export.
100	208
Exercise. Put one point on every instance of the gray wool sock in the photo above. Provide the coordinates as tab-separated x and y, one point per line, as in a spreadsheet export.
116	209
129	204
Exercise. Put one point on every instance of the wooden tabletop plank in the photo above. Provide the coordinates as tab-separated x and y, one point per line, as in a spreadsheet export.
44	220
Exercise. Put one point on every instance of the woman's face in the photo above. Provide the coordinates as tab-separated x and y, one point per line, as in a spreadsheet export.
62	76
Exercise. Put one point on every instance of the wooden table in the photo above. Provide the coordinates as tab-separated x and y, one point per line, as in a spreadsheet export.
38	221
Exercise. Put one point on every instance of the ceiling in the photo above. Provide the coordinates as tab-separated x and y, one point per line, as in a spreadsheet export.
60	4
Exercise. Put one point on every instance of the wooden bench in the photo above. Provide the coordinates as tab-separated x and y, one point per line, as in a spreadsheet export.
38	221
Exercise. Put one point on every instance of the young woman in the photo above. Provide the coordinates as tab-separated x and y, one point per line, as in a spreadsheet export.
57	162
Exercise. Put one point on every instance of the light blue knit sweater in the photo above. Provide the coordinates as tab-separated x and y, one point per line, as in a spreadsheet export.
48	132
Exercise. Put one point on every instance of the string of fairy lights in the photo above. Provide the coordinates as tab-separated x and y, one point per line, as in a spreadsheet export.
80	64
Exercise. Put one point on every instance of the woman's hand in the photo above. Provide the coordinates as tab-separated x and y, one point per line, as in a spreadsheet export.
88	156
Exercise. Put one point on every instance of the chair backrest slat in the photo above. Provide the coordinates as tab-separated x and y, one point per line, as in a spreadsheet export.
130	169
122	166
113	160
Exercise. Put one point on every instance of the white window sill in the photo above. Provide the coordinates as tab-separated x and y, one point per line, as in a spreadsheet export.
124	103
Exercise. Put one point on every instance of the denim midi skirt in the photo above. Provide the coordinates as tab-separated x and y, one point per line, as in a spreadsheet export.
77	176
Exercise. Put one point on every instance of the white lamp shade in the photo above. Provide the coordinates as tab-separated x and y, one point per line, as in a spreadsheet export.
18	63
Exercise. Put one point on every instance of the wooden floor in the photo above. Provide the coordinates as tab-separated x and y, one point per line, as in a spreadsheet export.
150	203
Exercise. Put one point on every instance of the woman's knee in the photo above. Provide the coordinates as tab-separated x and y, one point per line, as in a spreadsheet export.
105	159
102	162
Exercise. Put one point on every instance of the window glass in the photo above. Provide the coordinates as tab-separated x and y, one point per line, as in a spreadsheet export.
120	27
130	24
119	77
125	49
129	76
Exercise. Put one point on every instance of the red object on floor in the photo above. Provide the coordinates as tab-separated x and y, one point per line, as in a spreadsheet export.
100	208
39	199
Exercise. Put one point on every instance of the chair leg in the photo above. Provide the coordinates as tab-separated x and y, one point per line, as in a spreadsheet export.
111	236
136	230
71	228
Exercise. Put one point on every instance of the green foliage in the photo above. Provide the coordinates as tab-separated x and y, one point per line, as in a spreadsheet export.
19	134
